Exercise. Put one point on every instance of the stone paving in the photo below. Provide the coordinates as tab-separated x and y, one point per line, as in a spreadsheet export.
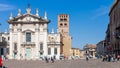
80	63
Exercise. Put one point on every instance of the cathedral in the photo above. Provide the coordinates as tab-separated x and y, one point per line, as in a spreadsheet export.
29	37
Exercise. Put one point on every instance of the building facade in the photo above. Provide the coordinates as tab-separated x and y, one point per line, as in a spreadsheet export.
90	50
63	28
113	31
54	45
29	37
100	48
75	53
82	54
4	44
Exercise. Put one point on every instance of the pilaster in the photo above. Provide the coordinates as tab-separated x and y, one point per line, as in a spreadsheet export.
37	40
19	41
11	42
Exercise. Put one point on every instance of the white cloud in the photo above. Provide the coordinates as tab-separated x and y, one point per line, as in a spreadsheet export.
102	10
5	7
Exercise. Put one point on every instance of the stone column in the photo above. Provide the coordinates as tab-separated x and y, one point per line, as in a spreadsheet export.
37	40
11	42
19	41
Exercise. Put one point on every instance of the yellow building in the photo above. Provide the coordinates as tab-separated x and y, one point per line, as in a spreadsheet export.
75	53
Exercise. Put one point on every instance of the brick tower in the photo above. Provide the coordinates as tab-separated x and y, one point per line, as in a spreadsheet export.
63	28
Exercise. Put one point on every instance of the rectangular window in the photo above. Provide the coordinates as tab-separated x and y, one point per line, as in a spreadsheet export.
3	39
49	51
41	46
55	51
15	46
41	49
8	38
28	37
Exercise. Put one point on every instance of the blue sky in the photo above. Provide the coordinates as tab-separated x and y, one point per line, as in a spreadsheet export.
88	18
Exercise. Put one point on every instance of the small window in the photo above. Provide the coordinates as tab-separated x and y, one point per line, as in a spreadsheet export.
49	51
65	24
15	46
41	46
3	39
61	24
65	19
8	38
61	19
2	52
55	51
28	37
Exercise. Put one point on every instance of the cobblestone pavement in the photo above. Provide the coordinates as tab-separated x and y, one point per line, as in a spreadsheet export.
81	63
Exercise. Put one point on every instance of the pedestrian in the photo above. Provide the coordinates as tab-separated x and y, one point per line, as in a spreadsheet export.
52	59
112	58
46	59
1	65
103	58
87	58
118	57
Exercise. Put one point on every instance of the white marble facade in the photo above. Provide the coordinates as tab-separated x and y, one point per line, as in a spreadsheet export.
29	37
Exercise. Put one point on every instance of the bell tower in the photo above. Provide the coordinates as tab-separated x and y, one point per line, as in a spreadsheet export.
63	24
63	29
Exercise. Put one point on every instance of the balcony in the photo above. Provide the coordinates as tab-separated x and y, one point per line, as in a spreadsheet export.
28	44
53	43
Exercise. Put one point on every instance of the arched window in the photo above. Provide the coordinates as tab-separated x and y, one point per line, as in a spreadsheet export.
65	19
65	24
61	19
61	24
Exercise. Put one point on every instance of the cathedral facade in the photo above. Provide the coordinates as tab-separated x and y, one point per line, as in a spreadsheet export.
29	37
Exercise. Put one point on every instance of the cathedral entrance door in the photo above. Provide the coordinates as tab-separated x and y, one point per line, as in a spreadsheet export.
28	53
15	55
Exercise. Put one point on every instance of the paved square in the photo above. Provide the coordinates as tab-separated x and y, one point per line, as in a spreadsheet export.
61	64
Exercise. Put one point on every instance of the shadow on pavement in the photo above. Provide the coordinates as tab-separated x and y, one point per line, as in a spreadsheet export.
3	67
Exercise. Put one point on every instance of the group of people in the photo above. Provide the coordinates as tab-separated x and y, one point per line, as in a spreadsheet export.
49	59
110	58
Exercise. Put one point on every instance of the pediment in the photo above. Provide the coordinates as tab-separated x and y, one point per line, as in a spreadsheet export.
28	18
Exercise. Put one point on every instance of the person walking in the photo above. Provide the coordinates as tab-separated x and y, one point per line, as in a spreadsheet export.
118	57
52	59
87	58
46	59
1	65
